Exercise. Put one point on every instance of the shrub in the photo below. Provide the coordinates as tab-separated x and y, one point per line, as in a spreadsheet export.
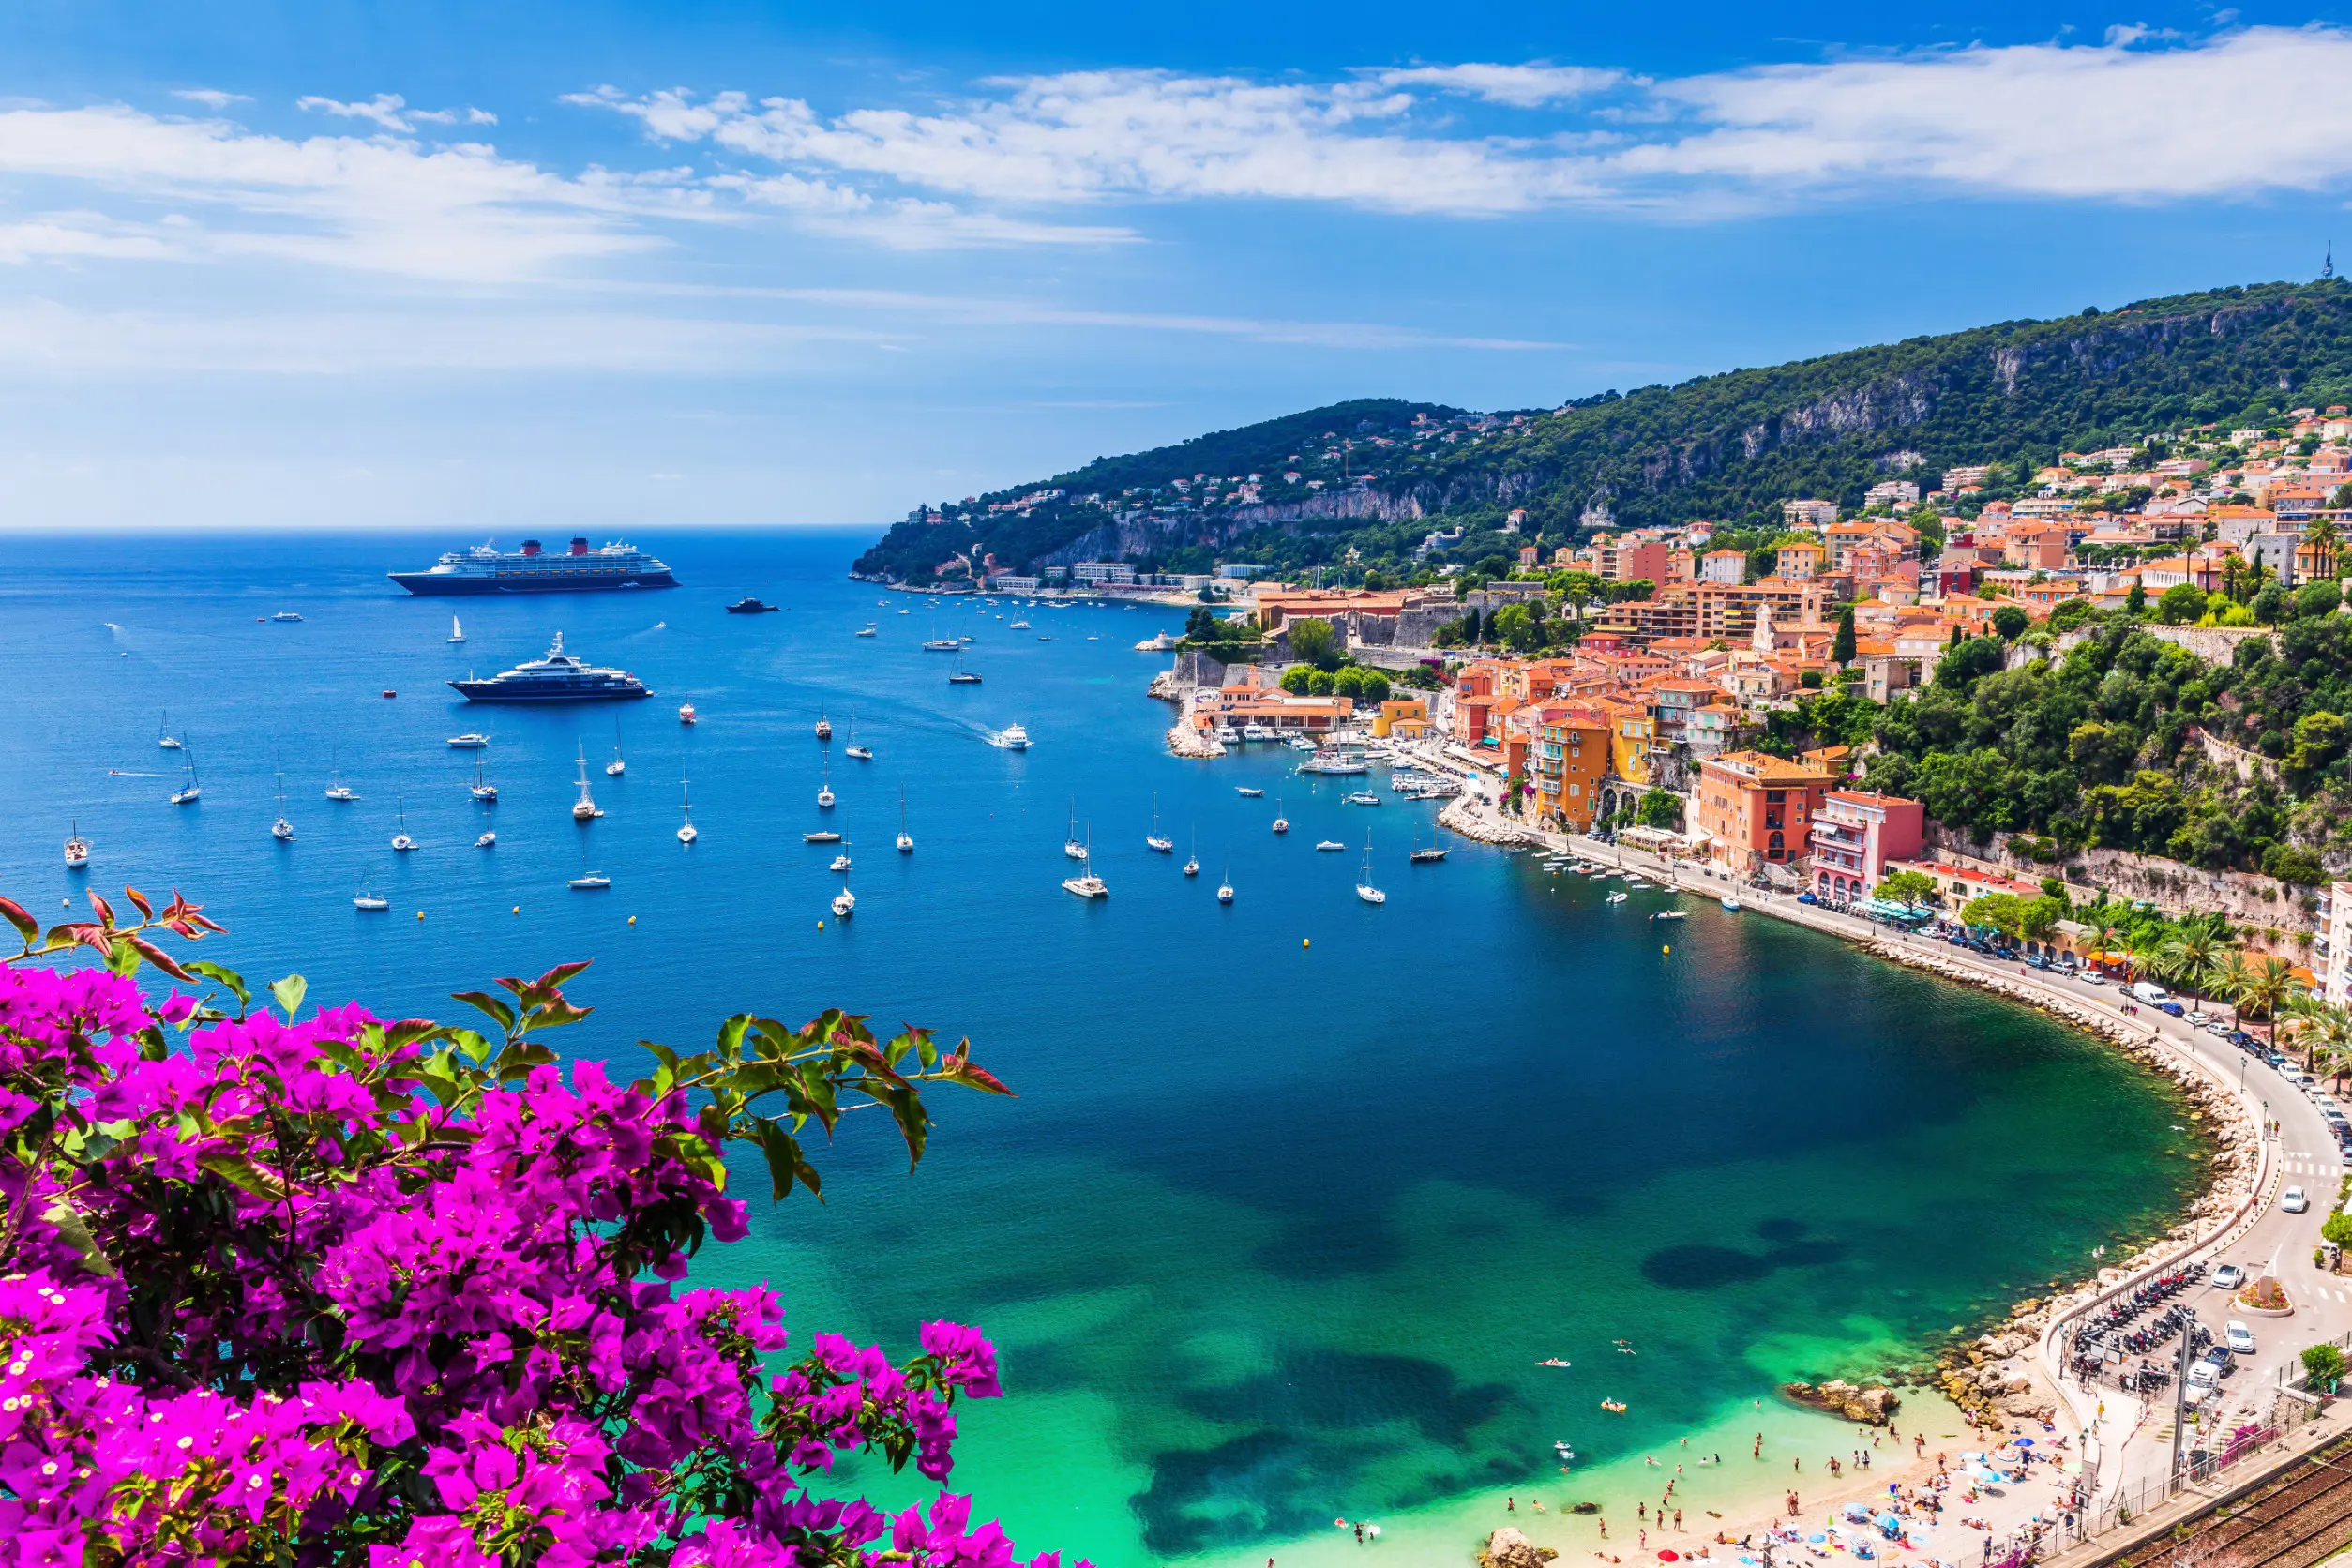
334	1289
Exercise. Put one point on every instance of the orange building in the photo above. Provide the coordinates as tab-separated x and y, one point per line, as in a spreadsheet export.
1757	810
1567	762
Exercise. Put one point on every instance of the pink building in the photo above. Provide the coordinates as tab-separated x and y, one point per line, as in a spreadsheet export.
1854	835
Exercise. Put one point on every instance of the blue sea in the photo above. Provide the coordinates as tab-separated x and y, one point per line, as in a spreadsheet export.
1296	1191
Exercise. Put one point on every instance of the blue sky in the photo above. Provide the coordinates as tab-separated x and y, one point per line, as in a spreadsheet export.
629	266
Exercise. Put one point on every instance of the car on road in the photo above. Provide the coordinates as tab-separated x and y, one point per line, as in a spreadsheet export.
2200	1018
2239	1337
2173	1007
2229	1276
2203	1375
2294	1201
2092	977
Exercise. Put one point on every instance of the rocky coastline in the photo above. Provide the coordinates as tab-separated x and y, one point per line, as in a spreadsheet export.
1463	815
1184	739
1993	1376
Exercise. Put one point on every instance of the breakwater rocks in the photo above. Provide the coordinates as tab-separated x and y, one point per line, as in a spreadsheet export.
1991	1376
1463	816
1184	738
1873	1407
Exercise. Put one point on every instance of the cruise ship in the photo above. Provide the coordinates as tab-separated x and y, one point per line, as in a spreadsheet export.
488	569
555	677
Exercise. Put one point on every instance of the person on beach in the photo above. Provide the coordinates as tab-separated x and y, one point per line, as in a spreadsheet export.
1510	1505
1645	1540
1678	1518
1759	1451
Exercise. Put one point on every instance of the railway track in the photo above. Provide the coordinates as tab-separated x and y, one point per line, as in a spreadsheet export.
2296	1521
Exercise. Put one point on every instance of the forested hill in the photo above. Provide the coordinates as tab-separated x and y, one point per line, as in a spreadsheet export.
1728	447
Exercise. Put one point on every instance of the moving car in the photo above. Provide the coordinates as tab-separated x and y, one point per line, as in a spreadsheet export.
2229	1276
2239	1337
2294	1201
2150	993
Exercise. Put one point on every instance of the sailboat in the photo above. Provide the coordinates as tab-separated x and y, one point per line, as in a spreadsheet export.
864	754
1225	888
1071	846
1086	884
77	850
483	789
368	899
186	794
1154	840
1192	858
619	764
400	840
163	734
824	727
486	839
960	675
338	790
824	791
584	808
281	829
1364	890
1281	822
685	803
456	632
906	840
845	901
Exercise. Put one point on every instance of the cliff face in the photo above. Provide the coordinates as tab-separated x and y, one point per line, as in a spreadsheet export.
1728	446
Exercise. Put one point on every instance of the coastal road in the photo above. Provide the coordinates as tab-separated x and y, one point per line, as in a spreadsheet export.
2135	1440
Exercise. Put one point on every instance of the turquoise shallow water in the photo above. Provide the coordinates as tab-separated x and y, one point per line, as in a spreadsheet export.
1275	1233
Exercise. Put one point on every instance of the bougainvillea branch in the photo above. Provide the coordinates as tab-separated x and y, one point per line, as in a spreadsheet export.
336	1290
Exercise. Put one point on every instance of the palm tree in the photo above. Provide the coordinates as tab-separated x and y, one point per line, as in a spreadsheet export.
2146	951
2227	978
2322	536
2103	930
2331	1038
2189	956
2269	982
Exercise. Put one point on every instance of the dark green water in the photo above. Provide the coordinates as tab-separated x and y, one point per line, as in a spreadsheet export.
1275	1233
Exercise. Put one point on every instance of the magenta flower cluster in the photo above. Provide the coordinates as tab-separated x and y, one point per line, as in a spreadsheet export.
348	1291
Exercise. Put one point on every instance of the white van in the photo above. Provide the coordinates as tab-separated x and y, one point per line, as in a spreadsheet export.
2150	994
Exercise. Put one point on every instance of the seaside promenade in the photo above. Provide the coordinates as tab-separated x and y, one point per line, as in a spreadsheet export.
2126	1441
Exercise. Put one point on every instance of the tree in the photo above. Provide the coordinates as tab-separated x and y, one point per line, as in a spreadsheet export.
2039	917
1376	689
2188	957
1295	678
2135	602
1842	644
1321	683
2269	981
2227	978
1514	625
2011	622
1969	661
2182	605
1349	683
1660	809
334	1289
1915	888
1314	641
2323	1364
2004	912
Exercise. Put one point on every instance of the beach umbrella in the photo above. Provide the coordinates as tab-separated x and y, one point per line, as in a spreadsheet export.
1668	1557
2025	1442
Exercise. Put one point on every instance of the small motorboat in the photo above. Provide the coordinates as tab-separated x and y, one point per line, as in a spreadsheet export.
823	836
468	741
1330	844
486	841
1248	793
1553	1361
1018	626
285	616
370	901
840	864
1614	898
589	881
1730	903
1361	797
1670	915
866	630
750	606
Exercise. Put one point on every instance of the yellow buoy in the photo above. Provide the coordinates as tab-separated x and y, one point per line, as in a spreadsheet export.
1303	943
632	920
1665	949
820	924
518	909
420	914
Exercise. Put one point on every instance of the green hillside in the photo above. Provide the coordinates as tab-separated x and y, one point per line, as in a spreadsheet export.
1727	448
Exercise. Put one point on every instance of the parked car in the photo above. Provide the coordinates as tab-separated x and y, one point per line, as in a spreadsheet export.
1807	899
2229	1276
2200	1017
2294	1201
2092	977
2239	1337
2173	1007
2203	1375
2150	992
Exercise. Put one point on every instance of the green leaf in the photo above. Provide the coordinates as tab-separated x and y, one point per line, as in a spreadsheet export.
226	976
488	1004
238	1171
906	1108
13	912
289	992
66	1220
786	1162
730	1035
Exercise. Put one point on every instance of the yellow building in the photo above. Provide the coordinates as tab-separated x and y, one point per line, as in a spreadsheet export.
1407	717
1632	732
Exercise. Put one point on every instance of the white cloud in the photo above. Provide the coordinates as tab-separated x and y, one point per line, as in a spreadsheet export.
2259	109
211	98
383	109
2143	117
381	203
1521	87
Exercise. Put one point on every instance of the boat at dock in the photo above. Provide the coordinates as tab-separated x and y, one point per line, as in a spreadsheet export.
1334	765
1730	903
1163	644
